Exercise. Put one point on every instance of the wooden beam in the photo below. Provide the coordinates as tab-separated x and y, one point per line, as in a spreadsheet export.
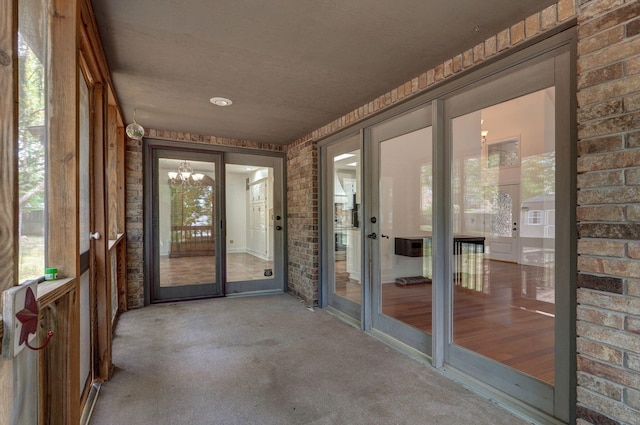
8	146
8	180
63	208
101	272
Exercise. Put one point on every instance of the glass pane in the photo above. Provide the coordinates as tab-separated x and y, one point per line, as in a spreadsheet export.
346	225
32	136
187	217
503	220
406	187
83	152
250	223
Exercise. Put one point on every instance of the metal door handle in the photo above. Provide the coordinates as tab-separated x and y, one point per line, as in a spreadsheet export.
373	236
278	227
384	236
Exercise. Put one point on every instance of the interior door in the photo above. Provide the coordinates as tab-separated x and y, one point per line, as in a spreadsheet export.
186	225
399	227
501	223
255	224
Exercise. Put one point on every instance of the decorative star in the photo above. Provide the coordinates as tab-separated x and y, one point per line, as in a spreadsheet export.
28	316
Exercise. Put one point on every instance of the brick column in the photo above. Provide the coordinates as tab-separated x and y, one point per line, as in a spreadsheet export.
608	212
302	219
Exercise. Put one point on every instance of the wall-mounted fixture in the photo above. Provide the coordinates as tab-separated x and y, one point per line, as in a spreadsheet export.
184	176
134	130
20	317
484	134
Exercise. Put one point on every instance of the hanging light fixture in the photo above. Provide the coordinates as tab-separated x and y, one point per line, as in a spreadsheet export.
134	130
184	176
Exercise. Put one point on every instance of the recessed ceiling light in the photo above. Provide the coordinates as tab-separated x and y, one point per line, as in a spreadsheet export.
220	101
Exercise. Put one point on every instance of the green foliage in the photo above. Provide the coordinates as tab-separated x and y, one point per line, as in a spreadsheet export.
31	129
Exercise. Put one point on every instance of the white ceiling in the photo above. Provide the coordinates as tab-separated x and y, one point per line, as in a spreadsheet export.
290	66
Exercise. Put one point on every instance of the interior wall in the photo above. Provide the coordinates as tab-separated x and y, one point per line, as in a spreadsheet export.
237	200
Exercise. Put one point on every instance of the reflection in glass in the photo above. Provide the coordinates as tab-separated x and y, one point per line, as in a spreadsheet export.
406	187
250	223
503	209
186	217
346	225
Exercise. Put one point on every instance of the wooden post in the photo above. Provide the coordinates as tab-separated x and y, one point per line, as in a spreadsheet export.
8	179
101	272
112	169
63	203
8	146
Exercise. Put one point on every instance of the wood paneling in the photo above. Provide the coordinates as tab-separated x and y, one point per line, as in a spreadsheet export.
59	377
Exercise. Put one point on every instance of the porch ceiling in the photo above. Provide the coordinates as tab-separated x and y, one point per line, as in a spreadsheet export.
290	66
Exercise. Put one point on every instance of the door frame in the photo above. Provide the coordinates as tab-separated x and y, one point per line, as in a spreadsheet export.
278	284
151	144
195	291
560	43
415	119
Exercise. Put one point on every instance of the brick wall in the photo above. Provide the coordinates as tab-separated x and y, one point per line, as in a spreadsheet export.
608	181
134	188
134	224
608	212
302	219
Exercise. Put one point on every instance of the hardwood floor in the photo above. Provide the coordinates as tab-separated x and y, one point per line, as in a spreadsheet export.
506	314
201	270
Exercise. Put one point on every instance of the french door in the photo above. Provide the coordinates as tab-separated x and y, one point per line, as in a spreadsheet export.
254	224
217	224
458	202
343	249
186	225
399	228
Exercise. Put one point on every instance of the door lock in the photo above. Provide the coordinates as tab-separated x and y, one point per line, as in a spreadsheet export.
372	236
278	227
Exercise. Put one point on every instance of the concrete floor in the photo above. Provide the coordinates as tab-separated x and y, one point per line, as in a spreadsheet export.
269	360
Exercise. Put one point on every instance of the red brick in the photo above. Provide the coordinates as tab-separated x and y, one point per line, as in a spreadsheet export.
516	33
532	25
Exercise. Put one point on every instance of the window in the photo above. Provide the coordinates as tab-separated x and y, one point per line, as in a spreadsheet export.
32	136
534	217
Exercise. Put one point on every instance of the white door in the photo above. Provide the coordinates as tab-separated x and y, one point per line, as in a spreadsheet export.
501	223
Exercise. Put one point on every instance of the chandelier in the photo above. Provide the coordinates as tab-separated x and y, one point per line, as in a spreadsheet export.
184	176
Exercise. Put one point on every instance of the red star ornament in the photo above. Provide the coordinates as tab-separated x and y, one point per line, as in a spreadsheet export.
28	316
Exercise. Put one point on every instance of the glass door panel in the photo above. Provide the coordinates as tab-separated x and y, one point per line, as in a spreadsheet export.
401	228
503	198
254	224
344	236
186	226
